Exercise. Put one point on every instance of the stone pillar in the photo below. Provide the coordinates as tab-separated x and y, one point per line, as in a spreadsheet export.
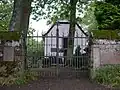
95	59
8	54
96	56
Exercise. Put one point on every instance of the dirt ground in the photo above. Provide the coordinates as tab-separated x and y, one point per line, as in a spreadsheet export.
71	82
59	84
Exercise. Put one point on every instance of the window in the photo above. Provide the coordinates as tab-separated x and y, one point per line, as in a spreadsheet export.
53	49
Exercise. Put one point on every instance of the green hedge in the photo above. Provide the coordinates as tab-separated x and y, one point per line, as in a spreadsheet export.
9	35
106	34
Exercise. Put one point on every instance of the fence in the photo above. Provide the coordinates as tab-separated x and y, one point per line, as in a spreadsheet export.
50	53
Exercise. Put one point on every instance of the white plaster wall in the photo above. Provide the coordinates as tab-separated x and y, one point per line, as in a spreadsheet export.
80	40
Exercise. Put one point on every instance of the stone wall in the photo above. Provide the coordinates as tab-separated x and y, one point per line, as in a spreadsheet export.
107	52
104	52
10	51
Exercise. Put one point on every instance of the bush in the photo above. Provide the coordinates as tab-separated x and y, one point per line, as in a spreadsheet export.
10	74
18	79
7	80
107	15
108	75
8	68
26	78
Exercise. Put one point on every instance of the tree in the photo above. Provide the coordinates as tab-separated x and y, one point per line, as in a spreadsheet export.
102	15
22	10
113	2
54	10
71	29
20	21
89	18
5	14
20	15
35	51
107	16
61	9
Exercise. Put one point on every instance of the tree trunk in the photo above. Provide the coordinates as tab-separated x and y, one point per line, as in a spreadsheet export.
24	25
71	30
15	19
20	21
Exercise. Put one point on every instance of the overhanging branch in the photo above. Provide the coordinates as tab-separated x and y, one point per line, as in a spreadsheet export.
3	17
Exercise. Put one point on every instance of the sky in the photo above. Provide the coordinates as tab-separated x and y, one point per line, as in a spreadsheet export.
40	26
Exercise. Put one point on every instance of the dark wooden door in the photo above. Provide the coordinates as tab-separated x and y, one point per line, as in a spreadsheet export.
65	45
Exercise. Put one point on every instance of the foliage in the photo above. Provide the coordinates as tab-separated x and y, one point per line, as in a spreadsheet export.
106	34
18	79
35	47
7	80
7	68
10	73
77	51
107	16
113	2
26	78
6	35
89	18
54	10
35	51
5	13
108	75
76	62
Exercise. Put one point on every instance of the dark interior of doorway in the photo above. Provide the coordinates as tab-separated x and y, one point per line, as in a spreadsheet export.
65	45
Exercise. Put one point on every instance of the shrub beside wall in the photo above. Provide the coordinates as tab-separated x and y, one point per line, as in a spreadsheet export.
108	75
10	73
8	68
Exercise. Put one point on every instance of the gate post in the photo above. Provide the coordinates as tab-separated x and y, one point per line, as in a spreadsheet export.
57	46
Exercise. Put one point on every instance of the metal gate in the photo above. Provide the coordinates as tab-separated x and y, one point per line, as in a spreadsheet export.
49	55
